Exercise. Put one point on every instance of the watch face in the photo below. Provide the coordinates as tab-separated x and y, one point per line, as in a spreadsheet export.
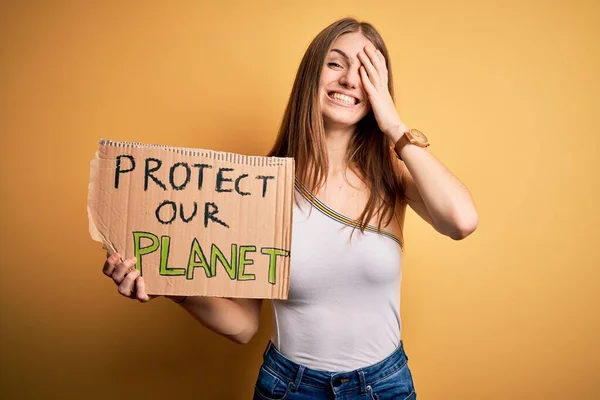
418	135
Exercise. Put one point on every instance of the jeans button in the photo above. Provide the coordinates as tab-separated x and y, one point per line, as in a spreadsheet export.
337	382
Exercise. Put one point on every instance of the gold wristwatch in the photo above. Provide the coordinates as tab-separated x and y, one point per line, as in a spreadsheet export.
411	136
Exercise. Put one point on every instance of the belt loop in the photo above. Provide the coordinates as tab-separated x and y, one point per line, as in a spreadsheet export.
363	384
296	383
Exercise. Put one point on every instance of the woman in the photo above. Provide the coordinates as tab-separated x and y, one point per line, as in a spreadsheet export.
358	167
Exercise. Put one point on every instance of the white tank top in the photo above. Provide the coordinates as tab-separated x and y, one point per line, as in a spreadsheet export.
343	306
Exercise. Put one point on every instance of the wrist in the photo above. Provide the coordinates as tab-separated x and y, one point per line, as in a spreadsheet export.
396	132
410	137
405	151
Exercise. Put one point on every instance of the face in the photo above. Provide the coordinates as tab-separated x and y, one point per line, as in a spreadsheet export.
343	100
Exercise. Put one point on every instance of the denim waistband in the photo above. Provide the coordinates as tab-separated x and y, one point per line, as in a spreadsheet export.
341	381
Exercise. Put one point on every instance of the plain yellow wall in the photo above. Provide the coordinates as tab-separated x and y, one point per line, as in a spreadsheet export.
507	91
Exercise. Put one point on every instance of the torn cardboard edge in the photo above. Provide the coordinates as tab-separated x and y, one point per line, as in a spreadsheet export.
200	222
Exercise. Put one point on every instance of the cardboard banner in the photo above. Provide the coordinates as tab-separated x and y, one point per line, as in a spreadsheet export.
200	222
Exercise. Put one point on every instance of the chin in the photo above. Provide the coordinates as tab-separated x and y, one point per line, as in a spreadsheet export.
341	122
341	119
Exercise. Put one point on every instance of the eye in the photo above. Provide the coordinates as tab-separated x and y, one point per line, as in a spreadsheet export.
334	64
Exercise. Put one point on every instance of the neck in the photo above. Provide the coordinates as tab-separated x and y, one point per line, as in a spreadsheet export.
337	141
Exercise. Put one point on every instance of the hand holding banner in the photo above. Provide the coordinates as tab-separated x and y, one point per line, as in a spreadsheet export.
199	222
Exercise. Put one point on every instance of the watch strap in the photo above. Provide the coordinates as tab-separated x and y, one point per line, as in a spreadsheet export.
403	141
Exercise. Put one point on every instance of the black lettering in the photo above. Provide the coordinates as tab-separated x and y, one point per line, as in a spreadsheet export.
220	180
208	214
237	185
148	173
201	173
174	212
188	175
182	215
119	171
265	179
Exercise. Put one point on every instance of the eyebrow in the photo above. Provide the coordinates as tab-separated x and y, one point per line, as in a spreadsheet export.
343	55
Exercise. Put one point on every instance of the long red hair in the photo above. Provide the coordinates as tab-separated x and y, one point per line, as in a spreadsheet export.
302	134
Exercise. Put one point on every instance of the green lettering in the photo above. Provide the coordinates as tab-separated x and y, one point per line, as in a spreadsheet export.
139	251
196	251
164	270
215	253
242	276
273	253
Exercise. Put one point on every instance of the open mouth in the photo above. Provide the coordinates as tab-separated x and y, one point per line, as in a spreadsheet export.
342	98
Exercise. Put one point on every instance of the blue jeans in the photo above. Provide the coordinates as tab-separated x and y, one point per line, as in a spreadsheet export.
280	378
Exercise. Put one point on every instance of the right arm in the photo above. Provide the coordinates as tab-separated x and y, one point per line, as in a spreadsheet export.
235	319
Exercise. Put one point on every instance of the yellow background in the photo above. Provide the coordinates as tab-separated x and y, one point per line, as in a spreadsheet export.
507	91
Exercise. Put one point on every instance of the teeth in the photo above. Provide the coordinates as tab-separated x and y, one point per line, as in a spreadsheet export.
344	98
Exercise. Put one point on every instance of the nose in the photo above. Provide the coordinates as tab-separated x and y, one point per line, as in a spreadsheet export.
350	79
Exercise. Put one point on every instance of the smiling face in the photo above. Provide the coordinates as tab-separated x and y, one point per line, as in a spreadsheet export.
343	100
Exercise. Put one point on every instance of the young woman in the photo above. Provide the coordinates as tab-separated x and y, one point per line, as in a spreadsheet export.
358	167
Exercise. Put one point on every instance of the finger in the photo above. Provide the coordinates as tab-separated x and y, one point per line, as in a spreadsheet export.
375	55
371	71
123	269
140	290
379	63
382	66
381	57
110	264
127	286
371	51
367	84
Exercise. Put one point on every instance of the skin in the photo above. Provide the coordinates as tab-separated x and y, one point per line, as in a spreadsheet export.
356	68
432	191
344	191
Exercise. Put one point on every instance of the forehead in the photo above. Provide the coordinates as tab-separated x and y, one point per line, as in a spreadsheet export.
350	43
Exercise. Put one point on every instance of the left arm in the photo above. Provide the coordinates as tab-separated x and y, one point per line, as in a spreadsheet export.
436	195
432	191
